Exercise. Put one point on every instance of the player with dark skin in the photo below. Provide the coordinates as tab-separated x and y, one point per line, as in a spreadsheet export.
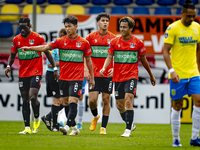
32	93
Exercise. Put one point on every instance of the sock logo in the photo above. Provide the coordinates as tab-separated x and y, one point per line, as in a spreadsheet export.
131	84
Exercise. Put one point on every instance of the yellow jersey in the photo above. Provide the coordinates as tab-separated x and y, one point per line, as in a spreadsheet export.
184	46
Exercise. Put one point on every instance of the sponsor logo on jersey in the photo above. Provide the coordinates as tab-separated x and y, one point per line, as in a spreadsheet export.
132	45
188	39
78	44
31	42
195	31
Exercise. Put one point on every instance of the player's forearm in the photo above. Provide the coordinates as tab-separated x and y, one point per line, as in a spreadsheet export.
107	61
50	58
11	59
146	66
166	55
90	66
39	48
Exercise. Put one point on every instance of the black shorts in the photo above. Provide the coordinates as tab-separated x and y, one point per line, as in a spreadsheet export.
128	86
70	88
25	83
52	87
102	84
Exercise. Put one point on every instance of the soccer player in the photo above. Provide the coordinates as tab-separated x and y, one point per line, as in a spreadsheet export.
73	49
183	37
30	71
52	88
99	41
126	51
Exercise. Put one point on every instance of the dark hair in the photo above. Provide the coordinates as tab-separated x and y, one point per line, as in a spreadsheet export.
63	32
131	22
188	5
102	15
71	19
25	20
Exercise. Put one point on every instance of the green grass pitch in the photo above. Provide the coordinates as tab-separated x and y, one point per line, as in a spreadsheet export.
146	136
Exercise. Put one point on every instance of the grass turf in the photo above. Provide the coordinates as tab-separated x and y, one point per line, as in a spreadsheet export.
146	136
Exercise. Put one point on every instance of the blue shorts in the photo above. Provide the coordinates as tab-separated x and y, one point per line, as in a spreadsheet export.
184	87
83	87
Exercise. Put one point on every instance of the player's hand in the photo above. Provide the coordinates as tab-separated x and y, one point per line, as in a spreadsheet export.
91	83
56	75
102	71
175	77
153	80
7	72
110	72
25	48
87	75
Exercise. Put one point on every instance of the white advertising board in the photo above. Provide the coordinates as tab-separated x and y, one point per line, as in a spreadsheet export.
151	105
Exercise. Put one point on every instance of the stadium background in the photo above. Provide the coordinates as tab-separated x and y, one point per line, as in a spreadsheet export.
151	16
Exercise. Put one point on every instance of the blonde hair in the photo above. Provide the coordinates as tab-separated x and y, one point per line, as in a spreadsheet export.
131	22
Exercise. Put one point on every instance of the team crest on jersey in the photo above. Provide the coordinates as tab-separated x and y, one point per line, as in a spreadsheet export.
132	45
95	40
31	42
118	45
12	44
109	40
65	44
18	43
78	44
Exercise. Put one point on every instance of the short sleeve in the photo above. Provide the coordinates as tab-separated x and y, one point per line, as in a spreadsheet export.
111	48
142	49
169	35
54	44
13	46
87	50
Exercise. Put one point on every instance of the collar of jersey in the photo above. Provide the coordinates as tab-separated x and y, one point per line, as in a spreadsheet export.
127	39
28	35
73	38
103	34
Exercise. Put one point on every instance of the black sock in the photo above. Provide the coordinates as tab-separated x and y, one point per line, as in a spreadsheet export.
104	121
48	116
129	119
26	113
72	114
94	112
123	115
36	110
66	110
54	111
74	123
